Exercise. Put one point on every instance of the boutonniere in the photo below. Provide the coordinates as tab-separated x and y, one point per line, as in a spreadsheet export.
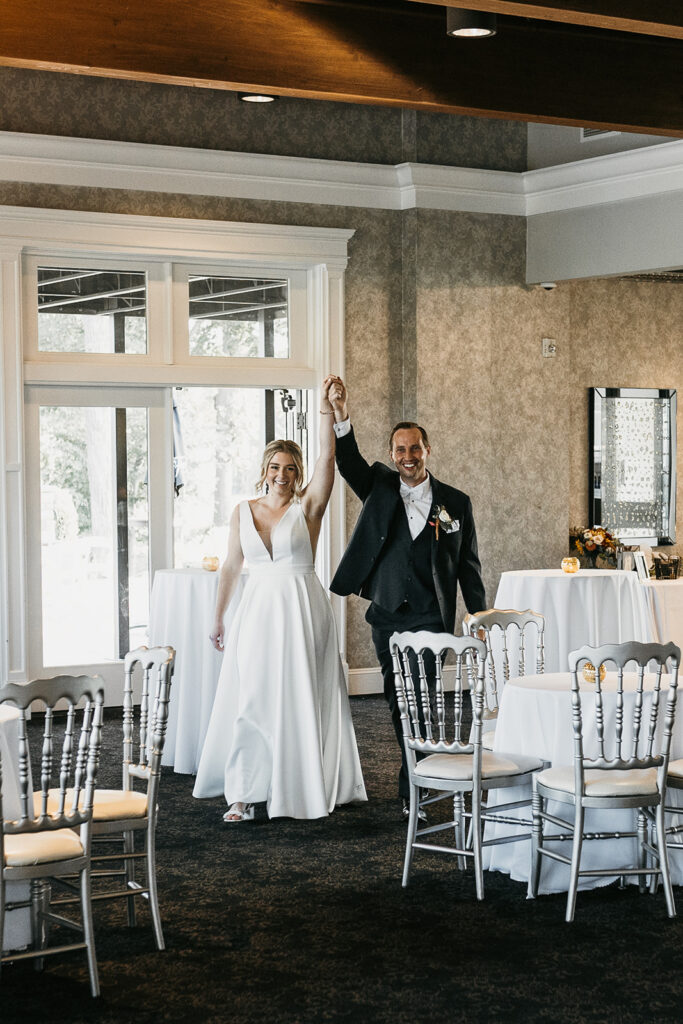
440	519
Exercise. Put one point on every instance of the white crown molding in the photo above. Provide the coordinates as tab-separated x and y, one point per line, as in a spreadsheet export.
467	189
649	171
142	167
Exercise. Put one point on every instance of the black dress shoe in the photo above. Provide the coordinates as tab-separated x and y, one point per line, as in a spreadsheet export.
405	811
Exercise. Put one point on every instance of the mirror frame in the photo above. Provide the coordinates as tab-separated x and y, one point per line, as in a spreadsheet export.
667	469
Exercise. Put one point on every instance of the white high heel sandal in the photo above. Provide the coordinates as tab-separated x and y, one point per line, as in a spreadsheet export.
238	812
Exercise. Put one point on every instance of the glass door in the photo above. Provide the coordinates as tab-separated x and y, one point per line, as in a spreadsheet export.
97	477
121	482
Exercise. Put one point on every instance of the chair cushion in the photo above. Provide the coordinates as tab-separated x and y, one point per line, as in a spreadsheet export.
42	847
118	804
676	769
636	782
459	766
109	804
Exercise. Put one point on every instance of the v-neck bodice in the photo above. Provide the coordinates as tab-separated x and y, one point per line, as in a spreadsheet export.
289	540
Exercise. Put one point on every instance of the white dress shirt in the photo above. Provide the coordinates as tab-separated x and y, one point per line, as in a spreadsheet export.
416	500
418	503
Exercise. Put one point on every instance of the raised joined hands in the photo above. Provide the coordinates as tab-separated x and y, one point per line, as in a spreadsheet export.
334	394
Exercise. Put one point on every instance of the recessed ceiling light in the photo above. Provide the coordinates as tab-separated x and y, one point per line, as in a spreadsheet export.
256	97
469	24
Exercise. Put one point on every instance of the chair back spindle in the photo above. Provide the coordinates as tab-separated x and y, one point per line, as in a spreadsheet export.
156	665
428	726
67	800
507	635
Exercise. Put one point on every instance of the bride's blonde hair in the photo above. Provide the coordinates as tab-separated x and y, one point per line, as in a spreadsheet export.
291	449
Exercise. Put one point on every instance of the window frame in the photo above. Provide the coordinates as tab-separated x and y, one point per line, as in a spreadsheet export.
29	237
297	319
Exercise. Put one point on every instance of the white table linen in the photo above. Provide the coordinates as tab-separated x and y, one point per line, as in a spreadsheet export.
182	612
535	718
665	603
592	606
17	922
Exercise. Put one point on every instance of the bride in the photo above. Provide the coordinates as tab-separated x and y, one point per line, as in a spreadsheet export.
281	729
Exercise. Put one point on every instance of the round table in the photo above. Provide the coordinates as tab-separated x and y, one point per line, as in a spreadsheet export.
535	718
182	609
591	606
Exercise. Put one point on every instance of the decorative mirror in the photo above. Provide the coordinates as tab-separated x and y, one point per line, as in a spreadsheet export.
632	463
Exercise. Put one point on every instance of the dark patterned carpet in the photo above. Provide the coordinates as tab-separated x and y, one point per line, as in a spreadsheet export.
306	923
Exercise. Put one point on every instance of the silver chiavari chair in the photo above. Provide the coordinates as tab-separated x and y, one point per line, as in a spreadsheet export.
626	768
445	756
51	838
515	647
674	782
121	815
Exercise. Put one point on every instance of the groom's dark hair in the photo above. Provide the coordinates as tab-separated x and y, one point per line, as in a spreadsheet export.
408	425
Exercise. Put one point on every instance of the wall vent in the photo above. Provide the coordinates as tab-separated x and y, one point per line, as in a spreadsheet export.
659	275
594	133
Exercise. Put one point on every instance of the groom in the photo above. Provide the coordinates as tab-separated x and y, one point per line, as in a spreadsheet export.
413	543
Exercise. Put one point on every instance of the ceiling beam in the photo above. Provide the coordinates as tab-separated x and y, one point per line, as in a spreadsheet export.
663	18
394	53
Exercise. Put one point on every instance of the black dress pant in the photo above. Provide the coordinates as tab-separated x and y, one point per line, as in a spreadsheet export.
380	638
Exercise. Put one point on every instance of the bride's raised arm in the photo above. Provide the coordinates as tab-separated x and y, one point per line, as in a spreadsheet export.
230	572
317	494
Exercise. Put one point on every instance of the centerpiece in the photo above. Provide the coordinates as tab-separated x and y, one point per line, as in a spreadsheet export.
593	543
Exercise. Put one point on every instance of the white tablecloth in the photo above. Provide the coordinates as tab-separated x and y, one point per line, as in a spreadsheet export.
181	614
592	606
535	718
17	922
665	603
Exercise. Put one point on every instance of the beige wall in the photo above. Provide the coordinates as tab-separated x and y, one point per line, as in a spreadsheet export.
439	323
495	408
509	426
170	115
622	334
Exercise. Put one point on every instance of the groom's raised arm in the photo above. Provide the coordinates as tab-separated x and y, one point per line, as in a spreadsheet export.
353	467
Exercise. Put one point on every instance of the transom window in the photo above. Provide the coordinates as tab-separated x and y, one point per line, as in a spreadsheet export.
86	310
238	316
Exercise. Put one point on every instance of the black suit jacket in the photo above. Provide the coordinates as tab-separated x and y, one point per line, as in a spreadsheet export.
454	555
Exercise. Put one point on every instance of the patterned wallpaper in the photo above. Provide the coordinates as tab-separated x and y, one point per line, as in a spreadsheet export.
82	106
471	142
495	408
623	334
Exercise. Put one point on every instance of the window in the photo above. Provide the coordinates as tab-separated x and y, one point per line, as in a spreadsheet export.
120	319
238	316
85	310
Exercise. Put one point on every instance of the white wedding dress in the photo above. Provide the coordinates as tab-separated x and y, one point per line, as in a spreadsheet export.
281	728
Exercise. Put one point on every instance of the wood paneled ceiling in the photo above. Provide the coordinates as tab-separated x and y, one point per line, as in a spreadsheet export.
605	64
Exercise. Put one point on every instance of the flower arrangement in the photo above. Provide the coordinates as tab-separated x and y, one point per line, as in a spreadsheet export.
594	542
